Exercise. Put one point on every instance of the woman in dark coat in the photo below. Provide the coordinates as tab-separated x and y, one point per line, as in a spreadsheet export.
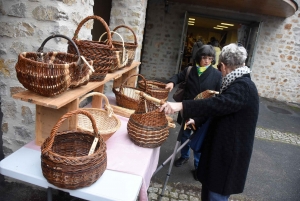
202	77
227	148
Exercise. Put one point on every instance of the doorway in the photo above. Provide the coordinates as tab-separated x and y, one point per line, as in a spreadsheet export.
218	32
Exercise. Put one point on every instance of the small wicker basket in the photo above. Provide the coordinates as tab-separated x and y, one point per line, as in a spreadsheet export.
156	89
130	47
120	54
65	159
126	96
100	52
52	73
107	123
148	127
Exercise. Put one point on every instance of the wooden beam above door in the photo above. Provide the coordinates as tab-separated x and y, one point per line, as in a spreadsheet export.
278	8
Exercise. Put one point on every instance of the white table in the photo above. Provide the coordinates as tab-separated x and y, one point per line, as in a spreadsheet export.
25	165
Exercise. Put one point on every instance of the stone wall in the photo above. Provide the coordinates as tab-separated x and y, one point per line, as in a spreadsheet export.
276	67
24	26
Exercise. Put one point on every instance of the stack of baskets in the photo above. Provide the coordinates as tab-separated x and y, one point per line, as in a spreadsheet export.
66	158
147	126
129	46
52	73
126	96
120	53
155	88
107	123
100	52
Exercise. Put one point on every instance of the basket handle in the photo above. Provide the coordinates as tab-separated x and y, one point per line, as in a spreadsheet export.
48	146
111	35
107	106
124	26
146	87
41	48
150	98
95	17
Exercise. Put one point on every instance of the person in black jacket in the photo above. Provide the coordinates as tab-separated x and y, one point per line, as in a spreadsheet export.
201	77
227	148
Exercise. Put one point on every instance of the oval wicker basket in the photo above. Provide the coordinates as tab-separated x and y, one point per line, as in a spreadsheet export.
52	73
126	96
65	158
121	54
130	47
100	52
107	123
156	89
147	126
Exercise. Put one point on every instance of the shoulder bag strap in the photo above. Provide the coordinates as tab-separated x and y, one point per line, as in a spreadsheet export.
187	73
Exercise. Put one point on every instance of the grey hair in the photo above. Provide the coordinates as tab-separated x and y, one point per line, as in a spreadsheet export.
233	56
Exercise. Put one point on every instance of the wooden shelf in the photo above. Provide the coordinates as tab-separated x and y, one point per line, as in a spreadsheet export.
50	109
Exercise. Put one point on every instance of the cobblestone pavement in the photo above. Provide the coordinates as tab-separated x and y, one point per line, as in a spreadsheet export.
192	193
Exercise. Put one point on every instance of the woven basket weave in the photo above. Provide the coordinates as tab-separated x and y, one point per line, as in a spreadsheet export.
120	54
130	47
52	73
156	89
64	159
126	96
100	52
147	126
106	122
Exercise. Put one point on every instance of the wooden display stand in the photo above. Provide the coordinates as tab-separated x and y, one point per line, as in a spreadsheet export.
50	109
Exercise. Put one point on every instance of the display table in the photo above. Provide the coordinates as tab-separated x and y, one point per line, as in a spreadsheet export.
128	173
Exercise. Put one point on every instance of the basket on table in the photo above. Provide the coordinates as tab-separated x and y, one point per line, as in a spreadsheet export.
126	96
120	54
147	126
129	46
156	89
66	159
100	52
52	73
106	121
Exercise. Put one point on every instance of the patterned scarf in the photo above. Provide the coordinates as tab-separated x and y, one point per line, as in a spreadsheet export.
229	78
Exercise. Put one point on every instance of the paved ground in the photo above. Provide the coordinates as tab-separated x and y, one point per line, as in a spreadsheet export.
274	172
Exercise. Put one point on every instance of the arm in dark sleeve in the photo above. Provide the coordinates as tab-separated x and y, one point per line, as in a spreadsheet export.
199	121
230	101
180	77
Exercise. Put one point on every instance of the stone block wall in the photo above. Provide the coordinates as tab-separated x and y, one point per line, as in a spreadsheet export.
23	27
276	67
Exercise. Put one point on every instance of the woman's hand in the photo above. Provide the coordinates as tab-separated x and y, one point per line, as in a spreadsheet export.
170	108
170	86
190	121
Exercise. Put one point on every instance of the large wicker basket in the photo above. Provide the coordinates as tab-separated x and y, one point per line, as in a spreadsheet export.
147	126
130	46
156	89
100	52
107	123
52	73
126	96
120	54
65	158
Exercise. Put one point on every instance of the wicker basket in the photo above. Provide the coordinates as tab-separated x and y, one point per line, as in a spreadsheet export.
107	123
206	94
148	127
65	158
120	54
100	52
52	73
156	89
130	47
126	96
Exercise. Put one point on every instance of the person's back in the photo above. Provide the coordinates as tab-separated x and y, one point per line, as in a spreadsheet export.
215	44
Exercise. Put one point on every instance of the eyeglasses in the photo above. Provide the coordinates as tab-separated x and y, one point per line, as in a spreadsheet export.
219	66
206	57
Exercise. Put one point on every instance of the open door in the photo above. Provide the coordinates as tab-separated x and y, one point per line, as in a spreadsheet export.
251	44
182	42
